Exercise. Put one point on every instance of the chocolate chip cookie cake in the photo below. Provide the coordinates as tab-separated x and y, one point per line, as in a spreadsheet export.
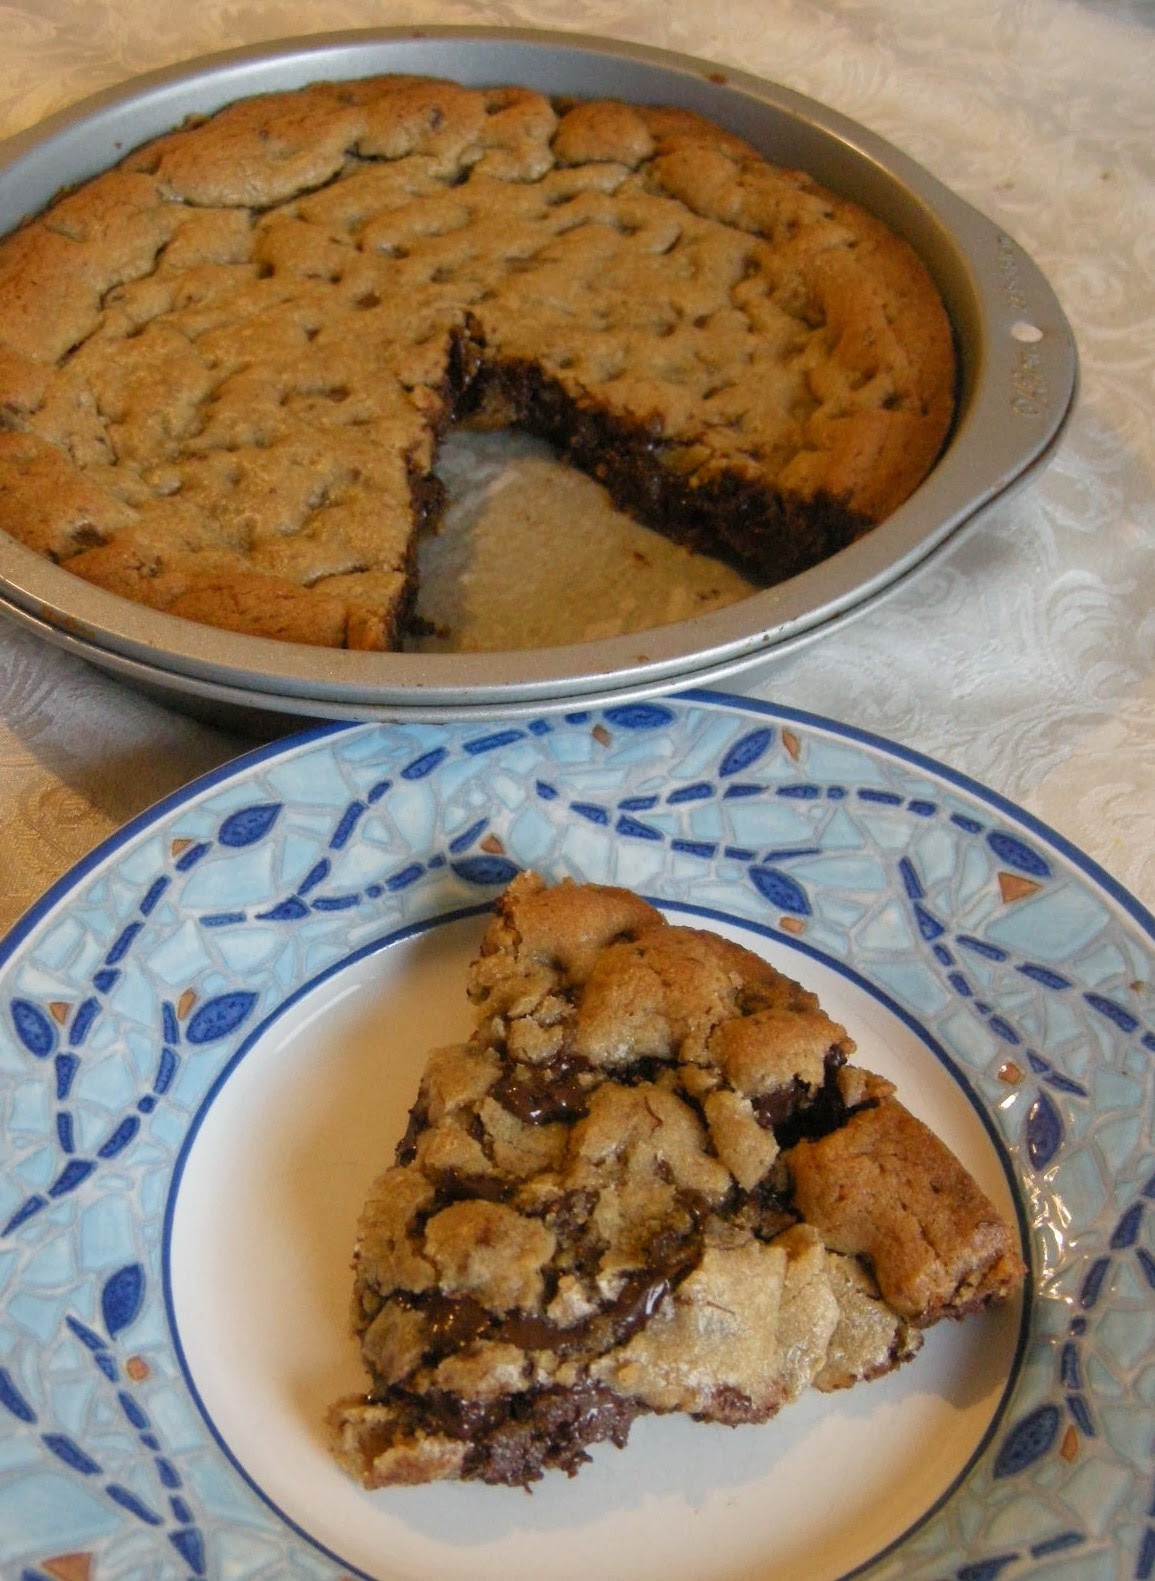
226	364
651	1181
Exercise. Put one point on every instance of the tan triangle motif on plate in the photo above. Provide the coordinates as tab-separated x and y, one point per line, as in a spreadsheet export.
1012	887
68	1567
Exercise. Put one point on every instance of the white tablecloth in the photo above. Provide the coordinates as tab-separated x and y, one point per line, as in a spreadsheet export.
1025	655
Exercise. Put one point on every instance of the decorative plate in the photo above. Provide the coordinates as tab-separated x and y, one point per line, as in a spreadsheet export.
209	1035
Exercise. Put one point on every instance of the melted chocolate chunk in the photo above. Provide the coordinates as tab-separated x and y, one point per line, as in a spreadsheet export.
791	1120
454	1185
774	1109
548	1428
453	1323
515	1438
543	1096
406	1150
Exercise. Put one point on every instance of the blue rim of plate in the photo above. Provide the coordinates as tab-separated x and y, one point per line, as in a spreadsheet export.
128	990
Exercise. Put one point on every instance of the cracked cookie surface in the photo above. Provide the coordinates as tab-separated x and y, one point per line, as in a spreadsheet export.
651	1181
225	365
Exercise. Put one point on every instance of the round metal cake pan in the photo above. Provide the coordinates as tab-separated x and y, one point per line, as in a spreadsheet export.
1017	385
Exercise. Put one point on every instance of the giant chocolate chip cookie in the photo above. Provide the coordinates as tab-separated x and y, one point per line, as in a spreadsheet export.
226	365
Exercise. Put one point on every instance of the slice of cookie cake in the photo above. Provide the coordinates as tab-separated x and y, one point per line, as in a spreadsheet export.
651	1181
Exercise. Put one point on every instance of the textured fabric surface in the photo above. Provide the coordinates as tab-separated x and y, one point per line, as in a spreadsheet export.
1025	655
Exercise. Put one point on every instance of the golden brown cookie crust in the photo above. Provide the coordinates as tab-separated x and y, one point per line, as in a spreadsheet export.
225	365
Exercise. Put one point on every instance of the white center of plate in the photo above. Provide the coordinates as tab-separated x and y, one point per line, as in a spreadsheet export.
262	1231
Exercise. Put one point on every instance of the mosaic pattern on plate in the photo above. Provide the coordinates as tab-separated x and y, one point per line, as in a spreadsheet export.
122	1002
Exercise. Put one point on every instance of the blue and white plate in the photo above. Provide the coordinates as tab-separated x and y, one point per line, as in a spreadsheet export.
209	1036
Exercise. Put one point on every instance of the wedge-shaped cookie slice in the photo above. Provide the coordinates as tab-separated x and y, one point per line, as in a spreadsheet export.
650	1181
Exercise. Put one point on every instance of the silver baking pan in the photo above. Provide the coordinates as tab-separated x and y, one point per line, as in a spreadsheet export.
1017	358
